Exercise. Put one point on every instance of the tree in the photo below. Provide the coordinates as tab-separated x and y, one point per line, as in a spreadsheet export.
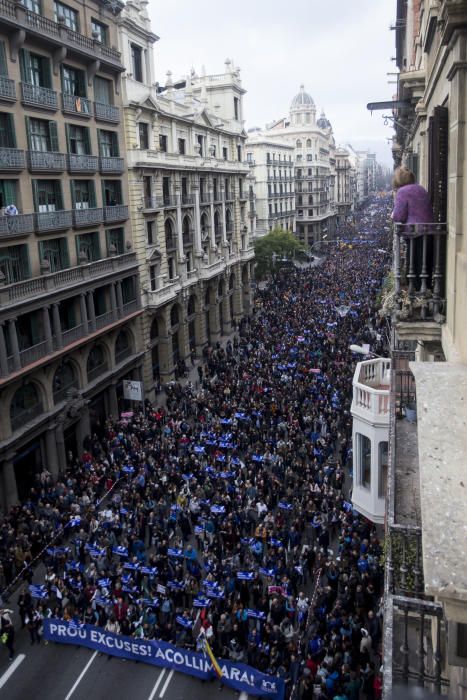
271	249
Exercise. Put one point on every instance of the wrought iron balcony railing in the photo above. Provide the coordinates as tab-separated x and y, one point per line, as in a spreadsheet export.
118	212
38	96
73	104
88	217
81	163
46	161
54	220
12	159
106	113
16	225
111	164
419	270
7	89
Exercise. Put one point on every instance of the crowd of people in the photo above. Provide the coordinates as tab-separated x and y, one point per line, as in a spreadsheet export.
228	513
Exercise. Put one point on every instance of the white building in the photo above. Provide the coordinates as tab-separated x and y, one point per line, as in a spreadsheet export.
370	436
272	166
314	146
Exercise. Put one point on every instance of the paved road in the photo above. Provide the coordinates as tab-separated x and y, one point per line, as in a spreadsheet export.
61	672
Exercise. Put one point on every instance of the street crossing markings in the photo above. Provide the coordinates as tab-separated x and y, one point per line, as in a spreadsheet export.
80	677
169	678
13	666
158	682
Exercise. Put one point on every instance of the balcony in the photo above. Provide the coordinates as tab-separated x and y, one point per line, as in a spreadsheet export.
167	290
188	200
205	198
38	96
169	201
70	277
16	225
419	272
80	106
110	164
151	204
17	16
88	217
12	159
118	212
7	89
46	161
188	238
106	113
53	220
77	163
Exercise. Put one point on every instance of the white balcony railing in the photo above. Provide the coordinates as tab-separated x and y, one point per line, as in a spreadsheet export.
371	390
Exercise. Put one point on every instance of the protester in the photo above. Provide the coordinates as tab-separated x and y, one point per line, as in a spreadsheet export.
227	509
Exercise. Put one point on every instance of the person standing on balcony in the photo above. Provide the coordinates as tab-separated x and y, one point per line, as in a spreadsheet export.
412	205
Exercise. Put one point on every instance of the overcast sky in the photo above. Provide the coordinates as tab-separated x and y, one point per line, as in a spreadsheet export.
339	49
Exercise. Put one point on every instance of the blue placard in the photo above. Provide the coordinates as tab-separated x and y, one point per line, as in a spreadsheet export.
238	676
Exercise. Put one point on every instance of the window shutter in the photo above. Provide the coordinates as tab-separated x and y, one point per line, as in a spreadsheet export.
438	162
67	136
81	83
10	131
28	131
25	65
64	252
73	193
35	194
53	136
99	142
58	194
92	194
87	140
3	63
115	151
103	193
46	72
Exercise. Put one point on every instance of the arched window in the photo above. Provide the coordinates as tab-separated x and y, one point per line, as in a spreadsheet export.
299	143
207	296
231	281
308	143
204	227
217	224
25	405
220	289
64	379
191	308
154	332
122	346
228	222
169	234
174	319
97	363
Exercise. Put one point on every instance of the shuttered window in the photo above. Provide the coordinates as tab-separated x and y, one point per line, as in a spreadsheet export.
42	134
115	237
47	195
83	194
55	251
438	130
7	131
78	140
3	63
73	81
14	263
35	69
103	91
88	244
108	143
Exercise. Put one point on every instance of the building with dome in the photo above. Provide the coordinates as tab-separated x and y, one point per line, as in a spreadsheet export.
314	167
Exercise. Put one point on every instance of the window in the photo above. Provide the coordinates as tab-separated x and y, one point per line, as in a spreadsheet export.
88	244
73	81
33	5
47	195
143	133
137	62
108	143
70	16
308	143
200	141
115	239
181	146
364	460
249	157
309	156
382	468
83	194
64	379
8	192
103	91
299	143
236	108
153	274
99	31
42	134
14	263
25	405
55	251
112	193
128	290
239	153
7	131
78	139
171	268
163	143
151	232
35	69
96	363
225	153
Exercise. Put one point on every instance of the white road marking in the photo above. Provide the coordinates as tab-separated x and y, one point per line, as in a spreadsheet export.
13	666
158	682
169	678
80	677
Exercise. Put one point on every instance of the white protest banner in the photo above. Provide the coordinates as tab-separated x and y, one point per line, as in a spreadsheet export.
132	390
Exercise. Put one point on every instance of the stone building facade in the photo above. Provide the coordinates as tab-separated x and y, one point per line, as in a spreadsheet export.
189	202
272	166
69	295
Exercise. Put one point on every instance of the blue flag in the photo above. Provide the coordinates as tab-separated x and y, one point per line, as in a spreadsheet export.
245	575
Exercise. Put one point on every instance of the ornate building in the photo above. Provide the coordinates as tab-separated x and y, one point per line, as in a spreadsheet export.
69	296
314	155
188	200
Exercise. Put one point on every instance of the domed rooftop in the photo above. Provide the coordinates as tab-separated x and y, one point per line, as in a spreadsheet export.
323	122
303	99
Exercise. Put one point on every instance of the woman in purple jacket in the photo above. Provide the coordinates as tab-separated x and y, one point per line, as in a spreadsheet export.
412	205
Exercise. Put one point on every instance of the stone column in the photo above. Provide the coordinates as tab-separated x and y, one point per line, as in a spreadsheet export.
60	446
91	312
3	353
119	299
197	241
57	324
211	212
178	195
47	328
226	314
223	227
165	358
112	400
113	301
83	429
201	337
51	449
84	313
14	343
10	490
